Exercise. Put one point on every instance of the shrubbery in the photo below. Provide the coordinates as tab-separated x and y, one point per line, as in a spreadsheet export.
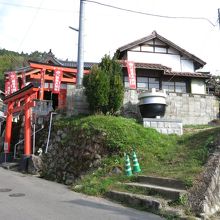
104	87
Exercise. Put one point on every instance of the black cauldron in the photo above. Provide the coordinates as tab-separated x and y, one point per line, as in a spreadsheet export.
152	104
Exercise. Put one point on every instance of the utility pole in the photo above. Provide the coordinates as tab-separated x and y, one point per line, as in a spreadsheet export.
80	57
219	17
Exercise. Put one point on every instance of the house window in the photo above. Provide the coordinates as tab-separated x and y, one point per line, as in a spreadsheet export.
144	82
154	83
180	87
148	83
169	86
173	86
126	82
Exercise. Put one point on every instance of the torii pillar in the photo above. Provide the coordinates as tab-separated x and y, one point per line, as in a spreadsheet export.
7	143
27	126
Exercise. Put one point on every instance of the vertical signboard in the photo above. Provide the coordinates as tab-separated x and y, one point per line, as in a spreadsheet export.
42	84
7	87
23	80
13	82
131	74
57	81
5	147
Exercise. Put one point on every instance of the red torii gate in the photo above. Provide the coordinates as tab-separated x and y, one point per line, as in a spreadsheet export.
22	100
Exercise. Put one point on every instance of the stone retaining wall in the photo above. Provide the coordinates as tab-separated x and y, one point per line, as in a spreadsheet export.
76	101
190	108
164	126
72	153
204	196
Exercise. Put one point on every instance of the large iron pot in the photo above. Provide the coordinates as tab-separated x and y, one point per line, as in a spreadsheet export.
152	104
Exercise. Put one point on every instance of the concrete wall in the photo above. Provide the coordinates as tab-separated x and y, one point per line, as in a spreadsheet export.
190	108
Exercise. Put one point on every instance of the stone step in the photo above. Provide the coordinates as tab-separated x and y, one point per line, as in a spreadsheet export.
161	181
6	157
166	192
136	200
10	166
149	203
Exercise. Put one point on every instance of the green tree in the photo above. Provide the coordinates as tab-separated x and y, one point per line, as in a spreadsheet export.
97	90
103	86
10	60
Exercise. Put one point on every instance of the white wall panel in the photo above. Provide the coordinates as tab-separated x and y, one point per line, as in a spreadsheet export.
168	60
197	86
187	66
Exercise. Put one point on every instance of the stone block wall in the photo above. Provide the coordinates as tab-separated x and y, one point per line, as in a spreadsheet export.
192	108
204	196
189	108
76	101
164	126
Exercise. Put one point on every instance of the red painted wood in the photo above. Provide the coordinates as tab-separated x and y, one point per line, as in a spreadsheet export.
20	95
27	129
50	78
51	67
21	108
42	80
62	99
8	128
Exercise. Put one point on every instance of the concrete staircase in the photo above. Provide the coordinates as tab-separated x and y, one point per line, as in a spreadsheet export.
156	195
168	188
9	162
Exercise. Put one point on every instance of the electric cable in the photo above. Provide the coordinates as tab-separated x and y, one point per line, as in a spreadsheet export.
33	7
31	24
150	14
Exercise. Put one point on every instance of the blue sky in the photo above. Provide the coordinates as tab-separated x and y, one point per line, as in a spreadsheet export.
29	25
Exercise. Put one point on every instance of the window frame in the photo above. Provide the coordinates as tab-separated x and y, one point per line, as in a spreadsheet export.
175	86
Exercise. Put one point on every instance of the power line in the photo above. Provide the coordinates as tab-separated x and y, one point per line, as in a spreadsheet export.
34	7
31	24
219	17
150	14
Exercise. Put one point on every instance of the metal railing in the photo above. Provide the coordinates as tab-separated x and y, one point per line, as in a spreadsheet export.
15	147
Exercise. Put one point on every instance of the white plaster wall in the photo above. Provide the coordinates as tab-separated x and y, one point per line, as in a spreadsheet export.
198	86
187	65
173	61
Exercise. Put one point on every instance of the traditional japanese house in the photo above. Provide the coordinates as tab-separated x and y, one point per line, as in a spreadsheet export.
161	64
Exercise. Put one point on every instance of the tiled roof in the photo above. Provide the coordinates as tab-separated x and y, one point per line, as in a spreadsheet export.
187	74
50	57
87	65
167	70
153	66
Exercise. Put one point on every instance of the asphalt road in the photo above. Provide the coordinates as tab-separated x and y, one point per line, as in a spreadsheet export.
25	197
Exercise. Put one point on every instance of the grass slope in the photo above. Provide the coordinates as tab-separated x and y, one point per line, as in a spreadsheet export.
159	155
